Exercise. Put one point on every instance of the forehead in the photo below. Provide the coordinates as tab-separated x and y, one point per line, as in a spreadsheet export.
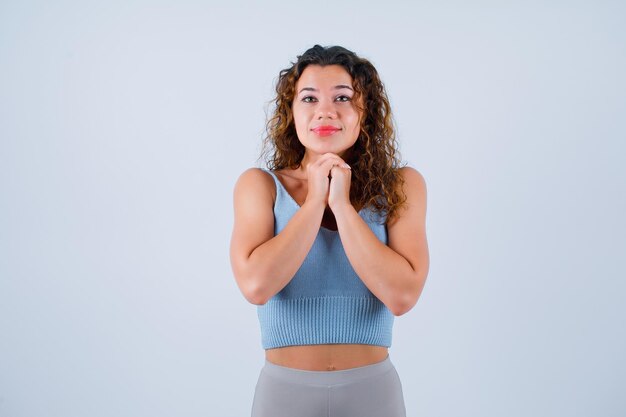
321	77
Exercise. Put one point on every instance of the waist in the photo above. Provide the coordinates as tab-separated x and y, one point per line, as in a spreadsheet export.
326	357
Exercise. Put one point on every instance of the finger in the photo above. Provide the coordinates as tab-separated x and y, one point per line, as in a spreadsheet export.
331	162
330	156
337	170
341	165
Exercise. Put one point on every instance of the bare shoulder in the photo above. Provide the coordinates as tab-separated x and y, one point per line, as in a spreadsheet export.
254	186
414	188
255	174
413	179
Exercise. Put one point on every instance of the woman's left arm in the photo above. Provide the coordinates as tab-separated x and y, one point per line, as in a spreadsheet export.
395	273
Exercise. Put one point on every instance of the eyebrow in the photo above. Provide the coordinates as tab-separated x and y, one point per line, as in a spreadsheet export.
337	87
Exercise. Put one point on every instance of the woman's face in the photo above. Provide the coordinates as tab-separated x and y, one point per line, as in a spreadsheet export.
325	116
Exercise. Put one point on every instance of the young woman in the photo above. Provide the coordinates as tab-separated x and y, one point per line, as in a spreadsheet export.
330	242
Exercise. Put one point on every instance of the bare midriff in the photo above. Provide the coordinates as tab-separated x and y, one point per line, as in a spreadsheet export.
334	357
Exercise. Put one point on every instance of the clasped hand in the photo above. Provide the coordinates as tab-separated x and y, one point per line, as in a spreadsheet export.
333	191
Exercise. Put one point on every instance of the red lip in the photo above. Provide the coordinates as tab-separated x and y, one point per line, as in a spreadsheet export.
325	130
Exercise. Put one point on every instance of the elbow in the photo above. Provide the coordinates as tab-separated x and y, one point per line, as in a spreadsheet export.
254	293
401	308
408	300
255	297
249	285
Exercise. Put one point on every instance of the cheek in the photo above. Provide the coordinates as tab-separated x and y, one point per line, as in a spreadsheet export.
300	123
298	115
355	121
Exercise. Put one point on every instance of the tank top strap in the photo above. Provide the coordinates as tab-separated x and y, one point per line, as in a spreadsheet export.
282	195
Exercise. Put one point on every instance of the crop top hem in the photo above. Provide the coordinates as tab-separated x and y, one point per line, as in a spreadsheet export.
325	319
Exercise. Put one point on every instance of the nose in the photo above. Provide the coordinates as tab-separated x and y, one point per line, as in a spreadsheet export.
325	109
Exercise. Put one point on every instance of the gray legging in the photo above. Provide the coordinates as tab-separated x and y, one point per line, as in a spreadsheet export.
367	391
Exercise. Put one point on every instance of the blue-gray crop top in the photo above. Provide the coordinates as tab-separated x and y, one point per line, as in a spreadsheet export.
325	301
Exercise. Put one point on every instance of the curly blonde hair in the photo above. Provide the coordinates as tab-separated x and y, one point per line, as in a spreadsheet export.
374	158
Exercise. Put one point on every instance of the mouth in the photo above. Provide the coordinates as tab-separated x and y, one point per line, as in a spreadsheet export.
325	130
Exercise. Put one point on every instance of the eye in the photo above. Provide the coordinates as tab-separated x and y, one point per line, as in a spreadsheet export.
342	99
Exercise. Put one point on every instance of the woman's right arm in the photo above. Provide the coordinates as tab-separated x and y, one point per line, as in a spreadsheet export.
262	263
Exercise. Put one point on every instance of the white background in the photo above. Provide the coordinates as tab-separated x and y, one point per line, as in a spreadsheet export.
124	126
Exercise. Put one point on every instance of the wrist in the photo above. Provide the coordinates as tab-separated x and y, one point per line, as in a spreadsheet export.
339	209
316	205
